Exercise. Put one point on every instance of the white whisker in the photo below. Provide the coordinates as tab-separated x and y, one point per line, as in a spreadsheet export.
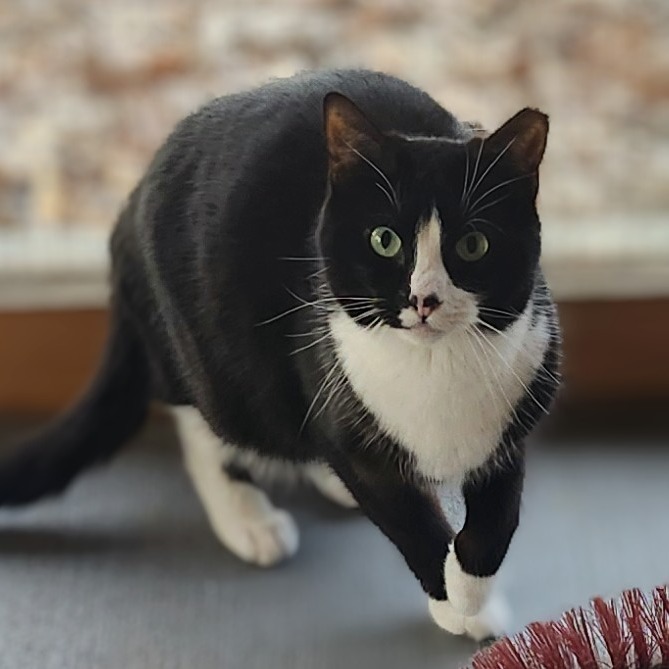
385	192
492	164
313	343
379	172
497	187
476	169
513	371
517	349
316	396
490	204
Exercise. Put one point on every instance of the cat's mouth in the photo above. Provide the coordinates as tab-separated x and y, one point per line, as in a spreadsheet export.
422	332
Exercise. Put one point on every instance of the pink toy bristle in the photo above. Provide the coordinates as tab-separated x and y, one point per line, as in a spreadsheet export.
631	632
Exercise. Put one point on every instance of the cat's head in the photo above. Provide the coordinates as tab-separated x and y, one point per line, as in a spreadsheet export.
429	235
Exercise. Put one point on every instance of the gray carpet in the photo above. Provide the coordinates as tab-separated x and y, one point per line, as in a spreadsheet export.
123	572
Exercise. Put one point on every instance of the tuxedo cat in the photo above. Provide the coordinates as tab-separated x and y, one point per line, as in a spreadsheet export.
331	271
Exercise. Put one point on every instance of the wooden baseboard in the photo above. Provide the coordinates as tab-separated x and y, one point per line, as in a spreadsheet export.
48	357
614	351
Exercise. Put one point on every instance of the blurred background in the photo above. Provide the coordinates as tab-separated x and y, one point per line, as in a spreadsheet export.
89	90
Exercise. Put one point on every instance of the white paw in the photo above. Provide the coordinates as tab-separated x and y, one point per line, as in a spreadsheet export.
466	593
492	621
253	529
331	486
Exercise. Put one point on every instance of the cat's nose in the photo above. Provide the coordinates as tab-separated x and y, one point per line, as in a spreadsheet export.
424	305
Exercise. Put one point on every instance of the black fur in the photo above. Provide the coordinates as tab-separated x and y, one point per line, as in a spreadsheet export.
221	256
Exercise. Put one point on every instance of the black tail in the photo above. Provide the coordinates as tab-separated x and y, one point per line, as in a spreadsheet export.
110	412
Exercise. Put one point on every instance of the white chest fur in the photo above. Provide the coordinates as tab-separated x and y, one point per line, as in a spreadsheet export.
447	402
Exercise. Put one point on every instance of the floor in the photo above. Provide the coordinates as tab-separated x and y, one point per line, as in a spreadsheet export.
123	571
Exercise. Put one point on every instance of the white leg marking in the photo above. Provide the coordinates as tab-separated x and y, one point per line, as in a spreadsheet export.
240	514
494	619
466	593
330	486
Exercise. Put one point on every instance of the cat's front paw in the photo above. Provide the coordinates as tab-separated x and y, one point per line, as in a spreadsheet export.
491	622
467	593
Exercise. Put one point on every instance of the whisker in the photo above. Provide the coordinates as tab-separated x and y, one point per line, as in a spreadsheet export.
501	185
305	258
379	172
285	313
316	273
492	164
500	312
490	204
334	388
311	333
477	338
513	371
464	183
313	343
518	349
476	169
316	396
471	221
385	192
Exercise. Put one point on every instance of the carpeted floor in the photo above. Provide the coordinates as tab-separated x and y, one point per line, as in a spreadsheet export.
123	573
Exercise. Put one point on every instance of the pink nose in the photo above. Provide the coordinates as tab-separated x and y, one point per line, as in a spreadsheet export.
424	305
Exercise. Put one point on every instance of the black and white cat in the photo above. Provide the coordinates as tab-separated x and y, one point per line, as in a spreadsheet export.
332	271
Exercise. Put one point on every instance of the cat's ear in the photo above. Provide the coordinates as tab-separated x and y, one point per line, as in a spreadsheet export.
522	138
350	137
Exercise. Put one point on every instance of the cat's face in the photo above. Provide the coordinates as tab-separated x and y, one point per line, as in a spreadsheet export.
427	235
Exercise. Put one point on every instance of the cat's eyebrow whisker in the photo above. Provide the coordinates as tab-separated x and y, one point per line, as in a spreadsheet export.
492	164
476	212
497	187
466	179
395	199
476	169
471	221
385	192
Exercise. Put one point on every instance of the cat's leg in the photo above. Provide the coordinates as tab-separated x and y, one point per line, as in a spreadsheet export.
330	485
410	515
241	515
493	504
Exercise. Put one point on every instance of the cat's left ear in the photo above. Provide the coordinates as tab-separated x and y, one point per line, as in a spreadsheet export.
522	138
351	138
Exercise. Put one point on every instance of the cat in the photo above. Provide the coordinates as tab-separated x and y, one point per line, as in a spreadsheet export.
331	270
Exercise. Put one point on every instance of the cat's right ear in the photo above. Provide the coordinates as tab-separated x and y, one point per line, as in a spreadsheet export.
350	137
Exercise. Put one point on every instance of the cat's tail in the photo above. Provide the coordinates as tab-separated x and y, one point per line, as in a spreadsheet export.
108	414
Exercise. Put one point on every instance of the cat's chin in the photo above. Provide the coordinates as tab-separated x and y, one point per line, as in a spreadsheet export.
422	334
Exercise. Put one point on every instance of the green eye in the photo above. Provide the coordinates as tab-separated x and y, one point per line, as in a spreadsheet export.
472	246
385	241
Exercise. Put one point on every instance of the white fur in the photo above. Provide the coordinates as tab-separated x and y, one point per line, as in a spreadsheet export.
466	593
330	485
446	399
240	514
493	621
